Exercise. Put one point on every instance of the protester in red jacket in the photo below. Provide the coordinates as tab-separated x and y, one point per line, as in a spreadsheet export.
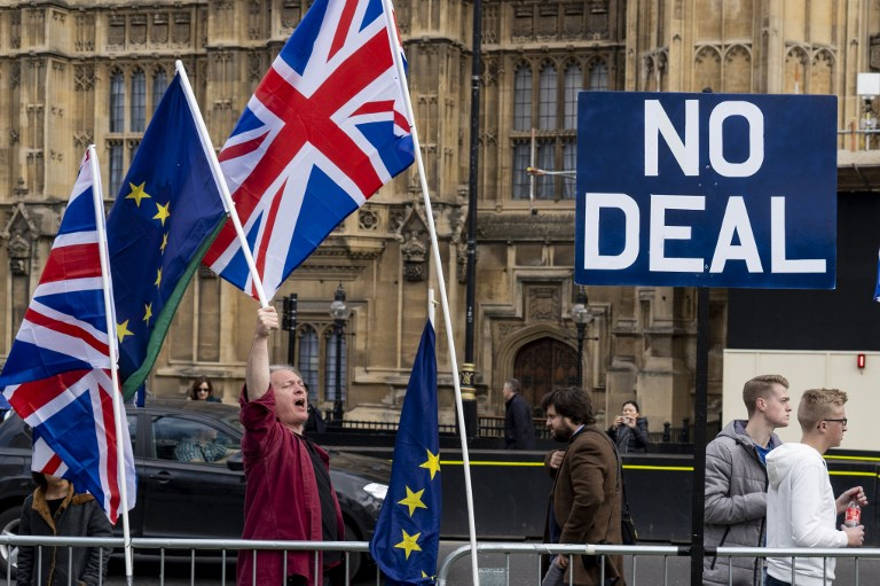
288	495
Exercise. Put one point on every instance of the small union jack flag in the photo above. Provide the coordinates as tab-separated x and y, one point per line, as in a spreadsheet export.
325	129
57	377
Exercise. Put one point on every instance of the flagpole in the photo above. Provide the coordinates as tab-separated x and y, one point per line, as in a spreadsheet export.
391	29
110	312
228	204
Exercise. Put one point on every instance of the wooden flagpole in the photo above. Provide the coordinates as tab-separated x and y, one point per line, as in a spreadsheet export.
220	179
110	312
391	28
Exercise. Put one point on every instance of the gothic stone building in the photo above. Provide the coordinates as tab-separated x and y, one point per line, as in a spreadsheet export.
73	72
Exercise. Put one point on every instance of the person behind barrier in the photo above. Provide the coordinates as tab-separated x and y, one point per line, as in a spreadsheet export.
202	447
736	481
801	508
585	504
315	423
289	495
54	508
202	390
519	431
630	430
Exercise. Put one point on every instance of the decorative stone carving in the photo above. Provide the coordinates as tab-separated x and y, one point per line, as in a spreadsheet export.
116	30
15	31
137	32
83	77
255	65
291	13
182	30
14	75
13	136
544	303
20	234
874	52
20	189
159	28
368	219
82	139
414	249
503	228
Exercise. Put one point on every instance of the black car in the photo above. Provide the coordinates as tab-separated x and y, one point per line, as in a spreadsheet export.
182	495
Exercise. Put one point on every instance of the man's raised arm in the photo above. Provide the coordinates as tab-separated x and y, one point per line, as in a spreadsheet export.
257	373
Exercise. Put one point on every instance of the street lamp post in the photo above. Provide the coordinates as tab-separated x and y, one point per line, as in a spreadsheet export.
288	324
339	311
580	313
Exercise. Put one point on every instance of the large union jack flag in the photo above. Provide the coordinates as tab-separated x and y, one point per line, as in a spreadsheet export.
57	376
325	129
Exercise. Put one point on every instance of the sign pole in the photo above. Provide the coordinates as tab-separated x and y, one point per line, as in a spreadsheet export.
698	494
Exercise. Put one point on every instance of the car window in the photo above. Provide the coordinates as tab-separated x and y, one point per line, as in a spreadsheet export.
187	440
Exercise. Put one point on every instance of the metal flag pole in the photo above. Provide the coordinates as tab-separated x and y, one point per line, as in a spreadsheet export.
110	312
391	29
220	179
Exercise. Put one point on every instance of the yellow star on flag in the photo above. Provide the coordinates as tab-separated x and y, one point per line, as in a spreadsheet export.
162	213
413	500
137	193
164	242
432	463
424	575
148	312
409	543
158	280
122	331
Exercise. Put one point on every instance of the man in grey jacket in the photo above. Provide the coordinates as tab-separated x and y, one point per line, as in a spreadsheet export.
736	480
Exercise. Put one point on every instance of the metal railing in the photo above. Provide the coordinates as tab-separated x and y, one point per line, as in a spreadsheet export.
187	549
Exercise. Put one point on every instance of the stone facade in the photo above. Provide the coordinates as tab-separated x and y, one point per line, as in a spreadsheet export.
62	61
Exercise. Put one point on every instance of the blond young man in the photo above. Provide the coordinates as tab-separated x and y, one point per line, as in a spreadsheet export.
736	481
801	508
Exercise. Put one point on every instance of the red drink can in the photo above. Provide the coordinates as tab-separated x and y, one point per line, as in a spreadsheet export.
853	515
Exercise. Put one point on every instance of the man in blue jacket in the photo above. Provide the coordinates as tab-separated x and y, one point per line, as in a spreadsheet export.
519	431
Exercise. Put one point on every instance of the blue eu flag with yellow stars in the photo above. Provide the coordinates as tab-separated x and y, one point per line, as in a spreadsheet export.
166	213
407	534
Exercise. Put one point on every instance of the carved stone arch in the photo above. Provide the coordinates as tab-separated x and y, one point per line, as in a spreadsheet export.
509	347
707	68
797	61
546	62
595	64
822	72
737	69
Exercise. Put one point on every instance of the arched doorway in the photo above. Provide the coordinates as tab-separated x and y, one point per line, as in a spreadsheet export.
542	365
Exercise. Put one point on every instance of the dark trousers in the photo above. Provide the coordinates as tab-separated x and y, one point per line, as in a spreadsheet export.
771	581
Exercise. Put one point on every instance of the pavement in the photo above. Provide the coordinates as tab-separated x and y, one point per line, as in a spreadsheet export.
521	569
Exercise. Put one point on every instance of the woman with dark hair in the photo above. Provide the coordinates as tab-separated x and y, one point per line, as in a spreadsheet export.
630	430
54	508
202	390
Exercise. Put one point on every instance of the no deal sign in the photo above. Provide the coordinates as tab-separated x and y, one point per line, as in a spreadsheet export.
710	190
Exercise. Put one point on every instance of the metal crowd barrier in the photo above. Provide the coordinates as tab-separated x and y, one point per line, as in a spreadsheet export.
172	548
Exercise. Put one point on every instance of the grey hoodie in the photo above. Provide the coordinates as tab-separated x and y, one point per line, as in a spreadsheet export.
736	501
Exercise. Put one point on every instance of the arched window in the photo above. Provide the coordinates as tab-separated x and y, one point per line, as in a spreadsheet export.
116	166
547	105
308	359
117	102
522	98
546	160
521	160
569	161
138	101
160	84
330	365
599	76
573	84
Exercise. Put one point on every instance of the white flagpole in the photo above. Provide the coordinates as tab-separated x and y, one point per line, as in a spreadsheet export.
110	311
441	284
228	204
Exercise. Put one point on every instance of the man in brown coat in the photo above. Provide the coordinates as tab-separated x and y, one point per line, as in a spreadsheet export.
585	505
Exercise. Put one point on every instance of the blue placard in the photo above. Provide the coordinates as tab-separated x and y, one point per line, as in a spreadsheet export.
710	190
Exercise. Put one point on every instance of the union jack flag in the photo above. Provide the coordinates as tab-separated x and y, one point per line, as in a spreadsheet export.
57	376
325	129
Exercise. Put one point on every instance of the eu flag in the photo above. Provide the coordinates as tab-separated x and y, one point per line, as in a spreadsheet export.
166	213
407	534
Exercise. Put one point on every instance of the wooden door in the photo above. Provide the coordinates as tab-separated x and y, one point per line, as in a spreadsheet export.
543	365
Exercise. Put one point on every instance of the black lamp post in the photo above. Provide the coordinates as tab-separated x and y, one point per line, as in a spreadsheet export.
580	313
339	311
288	324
